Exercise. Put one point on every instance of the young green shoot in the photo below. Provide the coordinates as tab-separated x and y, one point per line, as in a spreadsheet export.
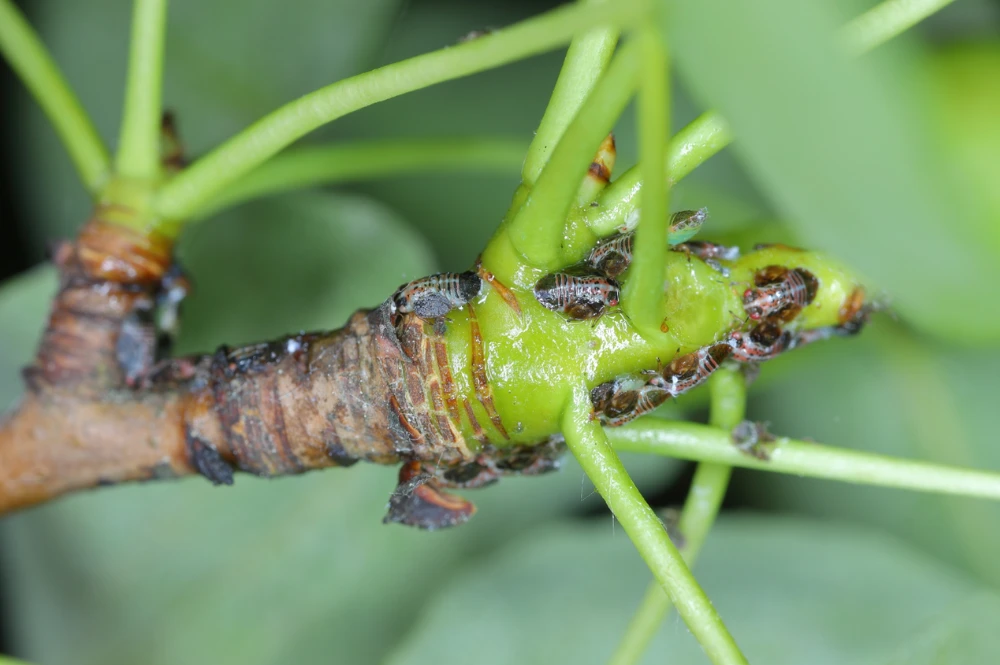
536	230
702	443
642	298
138	154
194	187
586	440
703	137
586	60
708	487
31	61
885	21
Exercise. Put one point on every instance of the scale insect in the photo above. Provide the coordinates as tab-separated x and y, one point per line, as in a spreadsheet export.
764	341
691	370
580	297
612	257
780	293
432	297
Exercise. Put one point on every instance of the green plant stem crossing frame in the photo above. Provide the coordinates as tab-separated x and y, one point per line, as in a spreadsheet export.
592	91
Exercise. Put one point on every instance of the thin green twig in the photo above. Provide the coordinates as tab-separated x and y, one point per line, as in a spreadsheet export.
708	488
194	187
689	148
708	134
643	299
30	60
885	21
139	140
361	160
588	443
703	443
586	59
537	229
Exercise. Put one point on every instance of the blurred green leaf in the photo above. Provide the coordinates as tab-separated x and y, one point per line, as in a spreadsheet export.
24	304
291	263
848	149
886	392
965	635
792	591
969	79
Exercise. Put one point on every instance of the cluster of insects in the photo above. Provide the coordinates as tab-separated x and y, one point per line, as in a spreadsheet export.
778	296
587	290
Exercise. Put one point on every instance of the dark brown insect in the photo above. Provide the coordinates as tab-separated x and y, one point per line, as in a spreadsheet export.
578	296
708	251
646	398
780	293
612	257
434	296
616	401
691	370
765	341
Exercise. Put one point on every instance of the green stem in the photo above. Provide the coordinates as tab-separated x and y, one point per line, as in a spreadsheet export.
590	446
586	60
643	298
709	444
885	21
29	59
139	141
689	148
195	186
708	134
708	488
343	162
537	229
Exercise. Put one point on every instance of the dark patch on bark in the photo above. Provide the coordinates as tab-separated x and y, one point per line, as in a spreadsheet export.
336	452
208	462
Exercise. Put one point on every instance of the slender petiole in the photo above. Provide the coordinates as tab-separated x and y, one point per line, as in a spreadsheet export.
536	231
885	21
643	297
689	148
139	140
702	443
588	443
194	187
30	60
708	488
708	134
586	60
343	162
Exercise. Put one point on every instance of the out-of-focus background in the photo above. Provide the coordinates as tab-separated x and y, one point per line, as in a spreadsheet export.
302	570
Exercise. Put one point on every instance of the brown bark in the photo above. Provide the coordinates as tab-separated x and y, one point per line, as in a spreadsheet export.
99	409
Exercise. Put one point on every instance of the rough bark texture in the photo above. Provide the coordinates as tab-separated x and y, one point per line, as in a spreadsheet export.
100	409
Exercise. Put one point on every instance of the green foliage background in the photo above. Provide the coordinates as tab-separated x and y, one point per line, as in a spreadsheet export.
302	570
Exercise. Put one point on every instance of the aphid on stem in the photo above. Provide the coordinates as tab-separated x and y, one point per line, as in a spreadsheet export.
691	370
434	296
780	293
765	341
580	297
